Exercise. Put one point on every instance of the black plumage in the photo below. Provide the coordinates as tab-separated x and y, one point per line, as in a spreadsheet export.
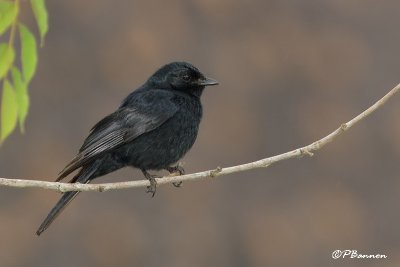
152	129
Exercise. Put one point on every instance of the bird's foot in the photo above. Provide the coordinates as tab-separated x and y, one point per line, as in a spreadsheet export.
177	184
175	171
153	183
152	188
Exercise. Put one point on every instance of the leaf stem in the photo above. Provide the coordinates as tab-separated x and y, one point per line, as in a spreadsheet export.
12	35
14	26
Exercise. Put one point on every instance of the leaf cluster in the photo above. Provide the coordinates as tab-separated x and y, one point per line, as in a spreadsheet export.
15	79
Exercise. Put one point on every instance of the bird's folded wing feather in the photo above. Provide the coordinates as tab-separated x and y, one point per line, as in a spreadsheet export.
119	128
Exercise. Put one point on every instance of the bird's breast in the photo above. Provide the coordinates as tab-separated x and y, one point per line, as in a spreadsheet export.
169	142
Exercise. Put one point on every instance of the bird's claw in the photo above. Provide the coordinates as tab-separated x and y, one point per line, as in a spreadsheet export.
177	184
153	183
153	186
176	170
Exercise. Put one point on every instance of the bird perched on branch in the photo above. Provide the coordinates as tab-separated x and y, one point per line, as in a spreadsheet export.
152	129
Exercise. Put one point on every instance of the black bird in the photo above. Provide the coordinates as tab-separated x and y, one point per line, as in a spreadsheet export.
152	129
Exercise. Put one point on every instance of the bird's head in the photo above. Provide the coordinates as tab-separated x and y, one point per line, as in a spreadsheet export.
181	76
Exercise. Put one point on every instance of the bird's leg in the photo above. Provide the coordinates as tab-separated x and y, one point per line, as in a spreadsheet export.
153	183
178	169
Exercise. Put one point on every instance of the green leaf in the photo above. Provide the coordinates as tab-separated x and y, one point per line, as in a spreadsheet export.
8	14
28	53
40	11
22	97
6	58
8	111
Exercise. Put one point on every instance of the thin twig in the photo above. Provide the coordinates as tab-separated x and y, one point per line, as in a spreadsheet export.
263	163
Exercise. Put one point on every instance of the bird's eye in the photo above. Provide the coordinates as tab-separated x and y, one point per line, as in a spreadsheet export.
186	77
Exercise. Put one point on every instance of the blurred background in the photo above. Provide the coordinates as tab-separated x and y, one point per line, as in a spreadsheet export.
290	72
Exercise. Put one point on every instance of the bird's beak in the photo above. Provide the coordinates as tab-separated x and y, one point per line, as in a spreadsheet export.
207	82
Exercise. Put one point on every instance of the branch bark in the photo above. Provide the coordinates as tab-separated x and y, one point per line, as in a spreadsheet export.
263	163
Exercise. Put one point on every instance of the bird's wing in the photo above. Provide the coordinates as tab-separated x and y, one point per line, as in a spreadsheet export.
120	127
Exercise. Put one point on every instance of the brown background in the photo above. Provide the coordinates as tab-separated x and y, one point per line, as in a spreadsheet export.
289	71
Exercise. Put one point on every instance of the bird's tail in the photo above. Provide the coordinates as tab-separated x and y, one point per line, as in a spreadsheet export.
84	177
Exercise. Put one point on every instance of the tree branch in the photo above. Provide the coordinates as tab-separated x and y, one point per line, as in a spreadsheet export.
263	163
